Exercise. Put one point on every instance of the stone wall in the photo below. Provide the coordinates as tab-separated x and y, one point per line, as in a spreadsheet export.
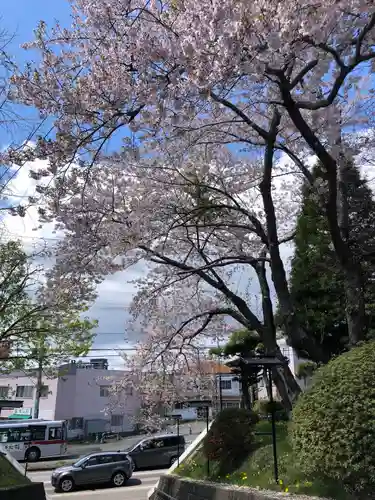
173	487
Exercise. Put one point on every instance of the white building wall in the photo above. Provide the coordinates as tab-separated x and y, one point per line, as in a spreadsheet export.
76	394
229	385
19	379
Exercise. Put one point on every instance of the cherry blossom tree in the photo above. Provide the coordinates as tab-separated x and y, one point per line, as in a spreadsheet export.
170	77
160	379
200	223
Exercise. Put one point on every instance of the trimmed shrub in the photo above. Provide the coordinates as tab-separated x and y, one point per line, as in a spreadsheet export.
231	437
333	427
264	409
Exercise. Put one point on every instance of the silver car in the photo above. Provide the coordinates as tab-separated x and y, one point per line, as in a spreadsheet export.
97	468
157	451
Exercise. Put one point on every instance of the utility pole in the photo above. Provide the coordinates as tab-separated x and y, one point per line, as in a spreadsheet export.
38	391
220	388
39	377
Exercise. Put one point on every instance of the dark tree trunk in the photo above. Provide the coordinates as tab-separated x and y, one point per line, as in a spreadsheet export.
334	208
297	337
355	301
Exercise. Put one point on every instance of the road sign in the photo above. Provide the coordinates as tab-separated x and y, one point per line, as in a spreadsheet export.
22	411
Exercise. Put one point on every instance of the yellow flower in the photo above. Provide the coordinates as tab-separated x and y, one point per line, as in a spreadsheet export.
227	476
286	490
280	482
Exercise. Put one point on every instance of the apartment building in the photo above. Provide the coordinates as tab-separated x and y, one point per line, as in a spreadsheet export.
81	394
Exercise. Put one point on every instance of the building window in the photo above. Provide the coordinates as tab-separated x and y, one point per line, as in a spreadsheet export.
25	391
4	392
44	391
117	420
104	391
231	404
225	385
76	423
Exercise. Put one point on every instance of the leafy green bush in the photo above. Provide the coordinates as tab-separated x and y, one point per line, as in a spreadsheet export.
264	409
231	437
333	427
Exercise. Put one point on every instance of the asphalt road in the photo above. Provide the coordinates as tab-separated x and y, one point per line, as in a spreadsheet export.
196	428
77	450
136	489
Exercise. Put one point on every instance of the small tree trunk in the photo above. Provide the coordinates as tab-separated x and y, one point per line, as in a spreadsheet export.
245	393
284	380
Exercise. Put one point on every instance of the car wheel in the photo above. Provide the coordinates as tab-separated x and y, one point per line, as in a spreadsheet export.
173	460
32	454
119	479
66	485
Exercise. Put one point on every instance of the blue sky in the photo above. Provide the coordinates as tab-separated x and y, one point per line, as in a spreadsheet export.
19	18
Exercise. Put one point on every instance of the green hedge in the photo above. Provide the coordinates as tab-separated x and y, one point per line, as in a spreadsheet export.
264	409
333	427
231	437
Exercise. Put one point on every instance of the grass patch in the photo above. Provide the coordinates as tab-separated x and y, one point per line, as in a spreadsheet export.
258	470
9	476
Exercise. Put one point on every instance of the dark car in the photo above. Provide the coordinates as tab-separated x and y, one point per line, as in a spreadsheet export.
157	451
97	468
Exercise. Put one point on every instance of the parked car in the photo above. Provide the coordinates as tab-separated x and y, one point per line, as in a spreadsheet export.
97	468
110	436
157	451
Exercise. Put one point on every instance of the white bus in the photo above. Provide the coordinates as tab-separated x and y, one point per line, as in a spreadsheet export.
35	439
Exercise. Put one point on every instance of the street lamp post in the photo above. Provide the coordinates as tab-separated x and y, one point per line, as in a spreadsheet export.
220	388
178	417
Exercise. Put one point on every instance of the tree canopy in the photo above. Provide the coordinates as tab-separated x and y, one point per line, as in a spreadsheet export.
19	278
36	329
178	82
317	283
243	343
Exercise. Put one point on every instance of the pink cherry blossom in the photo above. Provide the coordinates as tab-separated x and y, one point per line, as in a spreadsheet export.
179	81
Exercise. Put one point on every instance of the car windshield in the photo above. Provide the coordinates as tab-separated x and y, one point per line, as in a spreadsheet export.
133	446
81	461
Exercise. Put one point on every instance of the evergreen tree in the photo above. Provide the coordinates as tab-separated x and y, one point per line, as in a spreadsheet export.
244	343
317	283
